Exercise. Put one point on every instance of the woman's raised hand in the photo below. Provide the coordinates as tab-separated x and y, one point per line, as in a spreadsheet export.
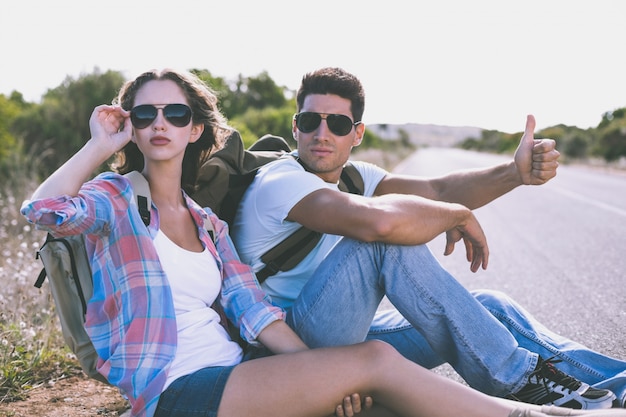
110	125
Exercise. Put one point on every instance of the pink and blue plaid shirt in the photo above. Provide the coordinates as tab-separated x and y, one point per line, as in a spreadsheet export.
130	318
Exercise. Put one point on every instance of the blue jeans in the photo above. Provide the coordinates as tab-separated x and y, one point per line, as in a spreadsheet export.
194	395
489	340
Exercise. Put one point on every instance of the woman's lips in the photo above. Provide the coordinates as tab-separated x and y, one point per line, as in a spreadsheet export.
159	141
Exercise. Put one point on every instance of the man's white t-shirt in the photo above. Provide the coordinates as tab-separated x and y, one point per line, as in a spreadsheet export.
260	221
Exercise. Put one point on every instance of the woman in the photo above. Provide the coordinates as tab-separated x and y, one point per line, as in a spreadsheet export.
154	319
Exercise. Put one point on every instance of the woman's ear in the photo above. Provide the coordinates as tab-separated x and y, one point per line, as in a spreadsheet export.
196	132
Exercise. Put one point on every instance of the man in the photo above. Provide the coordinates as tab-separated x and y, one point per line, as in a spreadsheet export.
374	245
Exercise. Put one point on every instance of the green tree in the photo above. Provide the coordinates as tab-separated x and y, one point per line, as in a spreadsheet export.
61	122
247	93
371	140
610	116
220	86
258	122
610	136
613	143
58	126
9	111
243	94
489	141
576	147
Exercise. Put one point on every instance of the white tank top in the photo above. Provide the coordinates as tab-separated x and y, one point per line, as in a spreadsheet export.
195	283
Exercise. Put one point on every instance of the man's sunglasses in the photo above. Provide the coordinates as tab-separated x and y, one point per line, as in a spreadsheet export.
178	115
308	121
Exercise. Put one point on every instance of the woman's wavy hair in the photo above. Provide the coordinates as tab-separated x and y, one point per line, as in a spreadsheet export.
204	107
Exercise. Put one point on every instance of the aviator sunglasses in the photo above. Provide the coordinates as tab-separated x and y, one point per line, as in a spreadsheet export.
143	115
308	121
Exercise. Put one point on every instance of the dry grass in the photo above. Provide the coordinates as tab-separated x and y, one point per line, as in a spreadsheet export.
31	346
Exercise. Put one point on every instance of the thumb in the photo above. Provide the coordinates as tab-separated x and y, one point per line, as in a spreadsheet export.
524	153
529	132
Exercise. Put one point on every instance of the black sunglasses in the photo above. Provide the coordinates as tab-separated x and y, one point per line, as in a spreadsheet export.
339	124
177	114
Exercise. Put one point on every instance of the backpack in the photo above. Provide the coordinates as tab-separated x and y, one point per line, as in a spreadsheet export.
67	267
225	176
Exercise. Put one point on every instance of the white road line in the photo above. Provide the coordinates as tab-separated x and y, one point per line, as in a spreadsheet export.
598	204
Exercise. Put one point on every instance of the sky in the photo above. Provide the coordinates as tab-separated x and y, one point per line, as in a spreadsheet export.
482	63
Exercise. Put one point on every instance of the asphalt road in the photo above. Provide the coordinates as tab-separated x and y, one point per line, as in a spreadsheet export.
558	249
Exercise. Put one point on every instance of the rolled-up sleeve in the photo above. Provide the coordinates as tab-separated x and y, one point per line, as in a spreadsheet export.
57	213
87	212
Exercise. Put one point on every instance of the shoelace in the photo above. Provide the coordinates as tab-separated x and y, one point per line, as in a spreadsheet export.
548	373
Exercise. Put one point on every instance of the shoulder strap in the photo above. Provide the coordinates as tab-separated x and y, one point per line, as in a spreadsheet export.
351	180
288	253
293	249
141	189
208	226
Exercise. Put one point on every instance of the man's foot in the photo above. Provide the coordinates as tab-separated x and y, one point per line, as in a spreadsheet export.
549	386
617	403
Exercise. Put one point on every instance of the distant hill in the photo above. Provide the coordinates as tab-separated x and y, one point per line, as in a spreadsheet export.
426	134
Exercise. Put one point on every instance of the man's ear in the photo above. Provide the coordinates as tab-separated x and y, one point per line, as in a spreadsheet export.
360	131
196	132
294	130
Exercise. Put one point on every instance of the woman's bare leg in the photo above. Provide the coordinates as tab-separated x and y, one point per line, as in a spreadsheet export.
312	383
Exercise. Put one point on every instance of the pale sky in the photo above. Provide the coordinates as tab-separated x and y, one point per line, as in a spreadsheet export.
484	63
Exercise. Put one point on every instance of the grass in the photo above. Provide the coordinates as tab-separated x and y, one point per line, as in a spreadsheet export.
32	350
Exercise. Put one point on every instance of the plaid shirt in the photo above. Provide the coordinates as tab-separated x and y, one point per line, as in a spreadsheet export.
130	318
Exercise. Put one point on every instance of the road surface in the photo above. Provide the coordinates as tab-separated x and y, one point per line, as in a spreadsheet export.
558	249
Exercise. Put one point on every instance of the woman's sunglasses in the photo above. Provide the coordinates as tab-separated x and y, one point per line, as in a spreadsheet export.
178	115
308	121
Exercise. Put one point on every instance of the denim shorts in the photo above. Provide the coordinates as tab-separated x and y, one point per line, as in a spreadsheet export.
196	394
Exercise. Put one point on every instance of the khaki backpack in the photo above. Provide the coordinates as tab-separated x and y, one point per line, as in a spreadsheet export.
68	269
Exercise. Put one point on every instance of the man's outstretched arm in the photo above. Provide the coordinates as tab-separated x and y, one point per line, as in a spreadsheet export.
535	162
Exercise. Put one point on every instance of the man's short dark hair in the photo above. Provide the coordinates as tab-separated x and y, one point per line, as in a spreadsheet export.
332	80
